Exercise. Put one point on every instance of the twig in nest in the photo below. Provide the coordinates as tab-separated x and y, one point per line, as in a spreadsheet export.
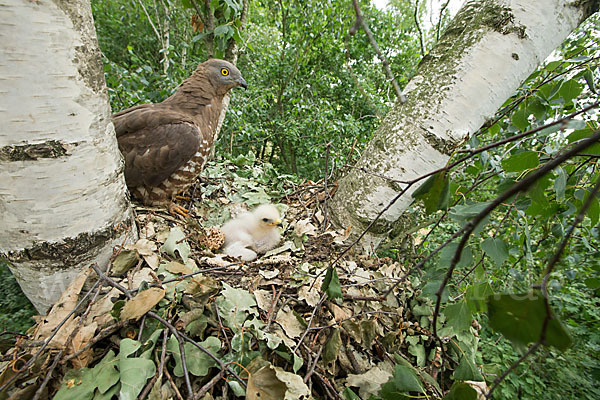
209	385
221	327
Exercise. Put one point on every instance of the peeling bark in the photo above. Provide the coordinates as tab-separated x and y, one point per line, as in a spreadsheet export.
485	54
63	198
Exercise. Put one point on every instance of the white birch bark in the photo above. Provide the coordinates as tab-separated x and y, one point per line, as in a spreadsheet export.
487	52
63	199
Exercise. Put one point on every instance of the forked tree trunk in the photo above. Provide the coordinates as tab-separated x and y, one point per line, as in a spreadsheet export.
63	198
488	50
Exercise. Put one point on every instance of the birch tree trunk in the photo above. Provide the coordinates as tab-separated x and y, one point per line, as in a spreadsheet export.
488	50
63	198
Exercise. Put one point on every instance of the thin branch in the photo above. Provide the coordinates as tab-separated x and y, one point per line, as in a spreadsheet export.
416	17
360	87
324	224
529	352
439	24
158	35
360	21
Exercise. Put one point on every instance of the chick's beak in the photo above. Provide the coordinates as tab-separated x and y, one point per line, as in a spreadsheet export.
278	223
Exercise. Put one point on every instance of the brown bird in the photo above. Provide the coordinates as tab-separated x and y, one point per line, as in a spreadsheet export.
252	233
166	145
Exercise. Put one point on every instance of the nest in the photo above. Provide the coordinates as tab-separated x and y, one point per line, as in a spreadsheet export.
172	319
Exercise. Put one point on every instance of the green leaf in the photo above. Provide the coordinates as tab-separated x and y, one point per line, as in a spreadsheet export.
435	192
495	248
176	243
569	90
134	371
463	212
331	284
198	362
78	384
520	119
447	253
592	283
406	380
593	212
106	374
589	78
459	316
477	295
403	380
467	371
332	349
520	318
223	30
348	394
461	391
560	183
235	306
430	289
521	161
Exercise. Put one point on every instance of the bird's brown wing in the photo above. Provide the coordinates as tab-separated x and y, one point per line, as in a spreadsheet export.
155	143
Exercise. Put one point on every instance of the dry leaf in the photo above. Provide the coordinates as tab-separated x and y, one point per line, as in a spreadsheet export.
269	274
143	275
175	267
144	247
264	298
67	302
289	322
339	313
152	260
142	303
264	385
80	340
304	227
311	297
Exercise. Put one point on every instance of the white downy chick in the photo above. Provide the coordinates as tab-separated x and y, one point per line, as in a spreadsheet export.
252	233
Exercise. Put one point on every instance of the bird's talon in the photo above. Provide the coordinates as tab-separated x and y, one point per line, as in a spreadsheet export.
176	209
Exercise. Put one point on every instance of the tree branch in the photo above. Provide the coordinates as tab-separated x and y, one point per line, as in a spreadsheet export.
386	65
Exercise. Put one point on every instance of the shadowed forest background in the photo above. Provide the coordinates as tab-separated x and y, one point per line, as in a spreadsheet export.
316	94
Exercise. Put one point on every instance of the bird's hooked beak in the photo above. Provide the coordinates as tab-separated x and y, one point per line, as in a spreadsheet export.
278	223
242	83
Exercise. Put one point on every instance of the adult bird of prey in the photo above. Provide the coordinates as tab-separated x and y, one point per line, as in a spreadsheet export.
166	145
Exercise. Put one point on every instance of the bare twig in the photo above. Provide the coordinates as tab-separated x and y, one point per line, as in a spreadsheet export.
360	21
159	370
209	385
324	224
158	35
439	24
221	325
418	25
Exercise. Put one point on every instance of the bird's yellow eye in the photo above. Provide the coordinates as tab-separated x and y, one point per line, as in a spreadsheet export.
224	71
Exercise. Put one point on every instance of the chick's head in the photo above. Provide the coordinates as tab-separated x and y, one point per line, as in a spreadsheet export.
267	215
